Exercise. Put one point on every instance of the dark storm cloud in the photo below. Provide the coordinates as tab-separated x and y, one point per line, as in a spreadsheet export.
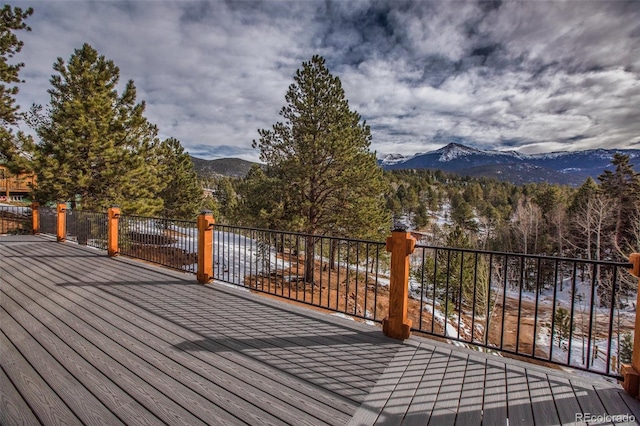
529	76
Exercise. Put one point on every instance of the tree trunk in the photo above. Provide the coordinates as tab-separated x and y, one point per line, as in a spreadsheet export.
309	258
332	255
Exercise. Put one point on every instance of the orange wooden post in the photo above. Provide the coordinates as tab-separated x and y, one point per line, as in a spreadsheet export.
397	325
35	218
113	214
205	247
61	231
631	373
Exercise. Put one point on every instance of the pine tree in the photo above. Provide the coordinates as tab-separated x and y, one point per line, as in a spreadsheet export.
96	147
324	176
622	186
11	20
626	348
182	195
562	325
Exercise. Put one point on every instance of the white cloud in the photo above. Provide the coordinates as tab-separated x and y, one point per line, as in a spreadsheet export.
534	76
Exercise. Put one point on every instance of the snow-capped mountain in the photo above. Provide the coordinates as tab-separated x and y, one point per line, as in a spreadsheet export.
569	168
390	159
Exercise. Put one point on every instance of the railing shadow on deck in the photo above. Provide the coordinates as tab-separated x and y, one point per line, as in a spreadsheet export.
335	357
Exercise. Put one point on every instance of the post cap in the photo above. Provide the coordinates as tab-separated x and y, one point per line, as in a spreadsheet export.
206	212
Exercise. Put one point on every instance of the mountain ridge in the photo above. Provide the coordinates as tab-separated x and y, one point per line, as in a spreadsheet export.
560	167
230	167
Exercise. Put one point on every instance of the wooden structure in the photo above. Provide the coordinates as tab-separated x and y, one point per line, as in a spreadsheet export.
15	187
205	247
397	325
631	372
91	339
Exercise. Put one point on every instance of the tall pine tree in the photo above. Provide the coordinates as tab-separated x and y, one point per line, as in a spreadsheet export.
96	147
322	173
11	20
182	195
622	186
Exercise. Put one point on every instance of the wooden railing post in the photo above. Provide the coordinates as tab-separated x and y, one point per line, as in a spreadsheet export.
205	247
61	230
113	215
35	218
631	373
397	325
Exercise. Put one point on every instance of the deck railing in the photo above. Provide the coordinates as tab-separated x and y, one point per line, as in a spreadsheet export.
87	228
572	312
15	219
338	274
168	242
578	313
48	220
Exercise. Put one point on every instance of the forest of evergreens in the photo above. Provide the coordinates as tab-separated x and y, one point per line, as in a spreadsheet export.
598	220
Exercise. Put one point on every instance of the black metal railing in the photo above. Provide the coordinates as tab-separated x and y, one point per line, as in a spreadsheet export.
571	312
48	219
168	242
15	219
338	274
87	228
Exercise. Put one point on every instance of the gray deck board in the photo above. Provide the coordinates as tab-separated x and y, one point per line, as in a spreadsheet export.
15	410
164	364
121	364
449	394
587	398
215	353
405	389
48	407
419	412
74	394
611	402
471	399
542	404
86	339
565	399
495	394
112	396
371	408
518	398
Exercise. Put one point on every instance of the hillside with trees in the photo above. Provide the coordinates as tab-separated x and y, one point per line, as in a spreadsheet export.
598	220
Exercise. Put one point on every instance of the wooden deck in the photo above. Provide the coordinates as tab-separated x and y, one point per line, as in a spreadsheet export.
88	339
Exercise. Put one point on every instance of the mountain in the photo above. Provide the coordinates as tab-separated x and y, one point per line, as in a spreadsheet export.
230	167
565	168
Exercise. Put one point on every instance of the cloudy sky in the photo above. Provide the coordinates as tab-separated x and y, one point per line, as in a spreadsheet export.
531	76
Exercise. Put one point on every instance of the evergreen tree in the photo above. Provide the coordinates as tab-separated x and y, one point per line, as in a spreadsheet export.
626	348
96	147
11	152
622	186
227	198
323	173
182	195
562	325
